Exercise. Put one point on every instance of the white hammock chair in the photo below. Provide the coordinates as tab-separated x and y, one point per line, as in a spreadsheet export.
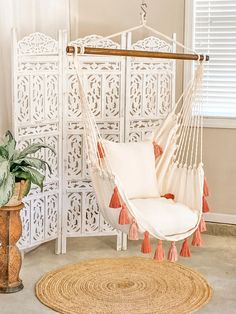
177	168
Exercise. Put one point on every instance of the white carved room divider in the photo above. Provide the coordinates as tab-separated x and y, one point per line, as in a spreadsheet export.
105	77
37	117
128	97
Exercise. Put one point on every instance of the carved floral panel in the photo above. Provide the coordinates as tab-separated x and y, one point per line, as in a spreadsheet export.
37	120
149	93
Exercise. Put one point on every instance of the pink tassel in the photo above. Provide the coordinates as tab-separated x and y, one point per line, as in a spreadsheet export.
157	150
133	231
202	225
159	254
124	216
205	188
101	152
169	196
185	250
172	254
115	200
205	206
197	239
146	246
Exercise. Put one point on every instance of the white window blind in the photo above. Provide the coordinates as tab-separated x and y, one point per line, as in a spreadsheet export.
215	34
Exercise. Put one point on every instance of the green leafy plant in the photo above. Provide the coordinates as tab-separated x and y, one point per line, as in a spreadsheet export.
16	165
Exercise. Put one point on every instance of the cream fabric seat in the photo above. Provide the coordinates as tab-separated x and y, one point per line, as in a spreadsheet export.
169	217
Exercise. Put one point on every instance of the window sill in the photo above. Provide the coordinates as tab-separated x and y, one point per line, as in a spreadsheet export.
219	122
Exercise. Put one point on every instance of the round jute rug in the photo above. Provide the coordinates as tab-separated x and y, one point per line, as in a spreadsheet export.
125	286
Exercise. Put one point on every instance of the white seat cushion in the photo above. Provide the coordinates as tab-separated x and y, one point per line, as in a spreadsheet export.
134	165
164	215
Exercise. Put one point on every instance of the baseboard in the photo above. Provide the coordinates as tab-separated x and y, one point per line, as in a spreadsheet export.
220	218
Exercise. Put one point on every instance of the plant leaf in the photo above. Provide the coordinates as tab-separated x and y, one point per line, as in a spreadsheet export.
20	174
32	162
4	170
34	175
8	137
6	189
33	149
10	144
3	152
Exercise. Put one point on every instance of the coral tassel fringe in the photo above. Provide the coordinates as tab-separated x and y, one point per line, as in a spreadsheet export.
197	239
169	196
159	254
172	254
115	200
101	152
157	150
185	250
146	246
124	216
205	188
133	231
205	206
202	225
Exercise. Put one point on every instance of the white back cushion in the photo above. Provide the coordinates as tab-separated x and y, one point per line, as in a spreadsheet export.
134	165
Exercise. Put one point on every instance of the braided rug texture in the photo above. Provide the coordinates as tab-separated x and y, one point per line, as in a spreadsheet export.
124	286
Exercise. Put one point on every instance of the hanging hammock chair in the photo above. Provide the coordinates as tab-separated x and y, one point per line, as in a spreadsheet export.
155	187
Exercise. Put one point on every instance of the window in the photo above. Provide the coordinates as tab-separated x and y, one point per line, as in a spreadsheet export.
214	33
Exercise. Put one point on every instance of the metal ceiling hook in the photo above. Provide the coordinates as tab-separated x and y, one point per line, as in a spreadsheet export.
143	13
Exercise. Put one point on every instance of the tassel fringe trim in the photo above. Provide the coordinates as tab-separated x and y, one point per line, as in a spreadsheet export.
185	250
159	253
133	231
124	216
157	150
172	254
115	199
146	246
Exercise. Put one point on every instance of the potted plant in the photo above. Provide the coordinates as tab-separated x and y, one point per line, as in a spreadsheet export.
18	170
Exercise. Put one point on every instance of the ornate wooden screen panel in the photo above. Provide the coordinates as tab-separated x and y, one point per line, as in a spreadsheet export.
150	88
37	95
104	78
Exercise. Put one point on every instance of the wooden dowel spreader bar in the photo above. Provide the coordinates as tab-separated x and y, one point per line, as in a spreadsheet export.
138	53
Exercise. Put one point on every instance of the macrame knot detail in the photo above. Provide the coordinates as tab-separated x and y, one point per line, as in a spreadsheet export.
157	150
169	196
124	216
185	250
172	254
101	152
115	199
197	239
133	231
159	253
146	246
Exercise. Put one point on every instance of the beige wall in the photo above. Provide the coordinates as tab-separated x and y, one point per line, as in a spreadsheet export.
220	167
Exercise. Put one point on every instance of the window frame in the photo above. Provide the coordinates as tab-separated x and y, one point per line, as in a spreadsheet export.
208	121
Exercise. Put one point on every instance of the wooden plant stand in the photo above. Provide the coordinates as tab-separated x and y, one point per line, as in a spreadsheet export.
10	256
